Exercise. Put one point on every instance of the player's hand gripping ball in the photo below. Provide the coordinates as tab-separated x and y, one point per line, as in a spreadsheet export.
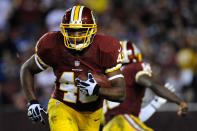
89	84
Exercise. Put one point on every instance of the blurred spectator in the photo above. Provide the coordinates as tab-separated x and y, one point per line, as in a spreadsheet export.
54	15
28	18
99	7
186	59
5	12
53	19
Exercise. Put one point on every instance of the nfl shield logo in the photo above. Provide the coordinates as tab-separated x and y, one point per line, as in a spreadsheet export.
77	63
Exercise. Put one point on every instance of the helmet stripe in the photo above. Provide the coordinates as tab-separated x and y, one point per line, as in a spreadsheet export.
72	14
80	13
76	14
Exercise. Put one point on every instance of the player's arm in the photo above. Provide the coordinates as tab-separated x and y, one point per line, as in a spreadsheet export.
161	91
117	90
147	111
27	72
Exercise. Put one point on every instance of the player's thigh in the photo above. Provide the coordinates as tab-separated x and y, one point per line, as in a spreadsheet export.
115	124
59	118
125	123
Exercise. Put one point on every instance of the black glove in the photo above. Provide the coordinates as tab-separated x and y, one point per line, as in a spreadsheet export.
35	111
88	87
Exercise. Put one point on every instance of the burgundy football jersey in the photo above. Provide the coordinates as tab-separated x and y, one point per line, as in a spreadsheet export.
134	93
102	54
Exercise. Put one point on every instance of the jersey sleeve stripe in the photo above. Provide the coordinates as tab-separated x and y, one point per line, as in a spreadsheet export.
118	66
37	63
116	76
36	47
40	63
140	73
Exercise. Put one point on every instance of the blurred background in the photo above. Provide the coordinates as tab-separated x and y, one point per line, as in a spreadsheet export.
164	30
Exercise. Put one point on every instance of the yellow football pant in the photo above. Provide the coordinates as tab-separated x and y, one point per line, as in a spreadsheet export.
65	118
126	123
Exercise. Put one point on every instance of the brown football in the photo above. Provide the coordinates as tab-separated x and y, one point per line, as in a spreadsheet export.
101	79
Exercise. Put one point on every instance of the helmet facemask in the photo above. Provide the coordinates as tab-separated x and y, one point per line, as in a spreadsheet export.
78	36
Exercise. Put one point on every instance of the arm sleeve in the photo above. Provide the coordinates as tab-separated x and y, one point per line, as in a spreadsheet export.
146	70
155	104
146	112
43	51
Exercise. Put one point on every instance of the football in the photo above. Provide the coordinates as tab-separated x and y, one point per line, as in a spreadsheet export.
101	79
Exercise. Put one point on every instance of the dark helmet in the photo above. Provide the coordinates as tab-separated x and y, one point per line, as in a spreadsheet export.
78	18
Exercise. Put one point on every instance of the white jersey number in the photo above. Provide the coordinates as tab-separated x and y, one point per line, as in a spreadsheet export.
67	84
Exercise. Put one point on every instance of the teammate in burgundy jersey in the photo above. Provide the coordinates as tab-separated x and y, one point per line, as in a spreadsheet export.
77	50
134	92
137	76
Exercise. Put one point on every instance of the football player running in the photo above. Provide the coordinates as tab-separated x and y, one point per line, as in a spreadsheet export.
124	116
75	104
